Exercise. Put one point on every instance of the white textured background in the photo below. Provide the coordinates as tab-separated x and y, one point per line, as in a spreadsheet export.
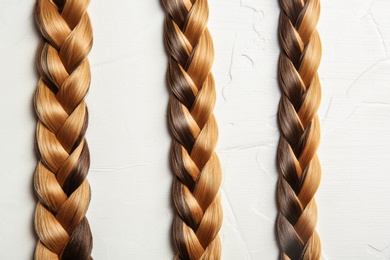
131	210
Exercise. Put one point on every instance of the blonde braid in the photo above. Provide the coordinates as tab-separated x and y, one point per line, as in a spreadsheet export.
60	177
194	129
300	170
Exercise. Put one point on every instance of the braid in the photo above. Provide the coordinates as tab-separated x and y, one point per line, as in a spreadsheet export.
300	170
60	177
194	129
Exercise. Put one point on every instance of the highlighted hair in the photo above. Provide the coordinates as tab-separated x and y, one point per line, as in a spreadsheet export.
194	130
60	177
300	170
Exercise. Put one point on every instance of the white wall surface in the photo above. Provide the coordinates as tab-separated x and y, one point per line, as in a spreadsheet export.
131	210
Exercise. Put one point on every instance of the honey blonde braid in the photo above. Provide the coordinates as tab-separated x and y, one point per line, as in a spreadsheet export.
60	177
194	129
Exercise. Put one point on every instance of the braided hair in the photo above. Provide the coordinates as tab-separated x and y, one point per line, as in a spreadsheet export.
194	129
299	167
60	176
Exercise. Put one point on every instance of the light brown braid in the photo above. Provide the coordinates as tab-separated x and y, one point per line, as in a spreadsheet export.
194	129
60	177
300	170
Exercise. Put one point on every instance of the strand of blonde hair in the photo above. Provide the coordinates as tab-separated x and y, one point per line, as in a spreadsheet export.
60	176
194	129
299	167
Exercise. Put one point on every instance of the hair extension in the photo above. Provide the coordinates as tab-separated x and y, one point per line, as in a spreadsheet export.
300	170
60	176
194	130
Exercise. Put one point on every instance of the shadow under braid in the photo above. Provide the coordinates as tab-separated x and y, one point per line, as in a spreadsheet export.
194	129
60	176
299	167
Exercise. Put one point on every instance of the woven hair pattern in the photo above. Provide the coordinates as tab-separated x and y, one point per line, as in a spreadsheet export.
299	166
60	176
194	129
